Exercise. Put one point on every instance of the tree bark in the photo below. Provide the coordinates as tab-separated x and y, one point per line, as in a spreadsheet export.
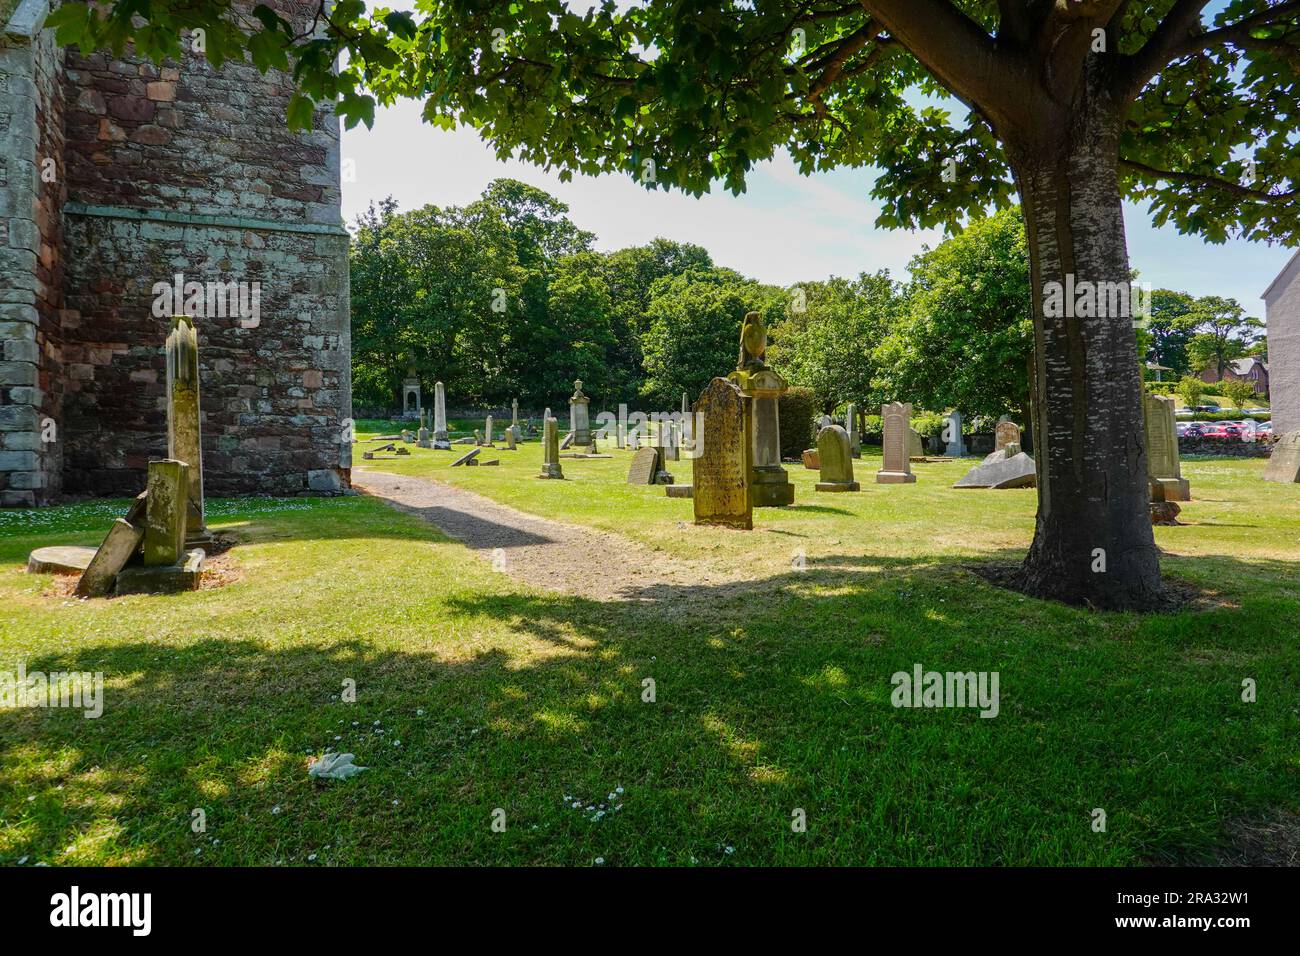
1092	541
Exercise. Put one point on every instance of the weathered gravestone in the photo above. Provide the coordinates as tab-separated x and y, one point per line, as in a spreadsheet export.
467	458
724	463
811	460
895	423
550	450
1163	468
835	454
165	512
440	417
1006	433
183	420
1008	467
578	415
510	438
915	444
1284	463
851	429
952	435
422	435
770	486
121	542
488	435
644	467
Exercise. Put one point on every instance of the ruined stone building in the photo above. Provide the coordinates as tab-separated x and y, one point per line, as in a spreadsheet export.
116	178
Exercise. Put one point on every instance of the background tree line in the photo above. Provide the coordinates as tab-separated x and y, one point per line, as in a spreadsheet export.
506	297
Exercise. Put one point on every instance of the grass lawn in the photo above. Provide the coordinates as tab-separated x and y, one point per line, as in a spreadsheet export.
477	692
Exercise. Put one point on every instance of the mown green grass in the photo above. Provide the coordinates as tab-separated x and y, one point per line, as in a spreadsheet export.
773	697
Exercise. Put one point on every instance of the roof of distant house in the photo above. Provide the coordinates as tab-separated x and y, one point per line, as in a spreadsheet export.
1242	366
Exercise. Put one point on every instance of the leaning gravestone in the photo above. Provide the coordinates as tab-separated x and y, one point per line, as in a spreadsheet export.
645	465
183	420
897	469
723	465
835	453
467	458
1163	468
1284	463
1006	433
550	450
165	512
119	545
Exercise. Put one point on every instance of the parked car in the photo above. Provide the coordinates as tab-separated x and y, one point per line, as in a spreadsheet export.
1216	430
1264	429
1191	429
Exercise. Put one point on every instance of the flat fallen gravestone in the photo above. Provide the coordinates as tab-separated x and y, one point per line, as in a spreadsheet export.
999	470
467	458
59	559
644	465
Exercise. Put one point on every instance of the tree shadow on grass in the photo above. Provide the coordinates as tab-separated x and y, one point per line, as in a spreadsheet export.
765	696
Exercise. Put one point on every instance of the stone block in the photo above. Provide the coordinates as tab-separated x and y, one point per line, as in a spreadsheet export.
18	373
119	545
167	579
27	480
17	418
18	461
59	559
21	350
324	479
17	499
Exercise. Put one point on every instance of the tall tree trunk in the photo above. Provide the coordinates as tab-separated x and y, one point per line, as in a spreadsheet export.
1092	542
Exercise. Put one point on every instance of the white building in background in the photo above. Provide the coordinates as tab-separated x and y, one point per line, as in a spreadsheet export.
1282	312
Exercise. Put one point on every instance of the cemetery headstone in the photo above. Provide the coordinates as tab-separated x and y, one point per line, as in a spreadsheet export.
895	420
724	463
770	486
1163	467
811	460
835	455
119	545
440	417
578	403
165	512
467	458
422	436
645	464
851	428
184	442
1008	467
952	434
1006	433
915	444
550	450
488	432
1284	463
510	439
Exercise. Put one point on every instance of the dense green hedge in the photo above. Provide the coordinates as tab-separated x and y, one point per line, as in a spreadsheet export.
798	411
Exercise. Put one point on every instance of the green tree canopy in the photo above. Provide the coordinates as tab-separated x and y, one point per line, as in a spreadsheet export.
965	337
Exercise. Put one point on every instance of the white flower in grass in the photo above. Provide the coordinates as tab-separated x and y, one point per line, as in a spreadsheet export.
600	861
275	810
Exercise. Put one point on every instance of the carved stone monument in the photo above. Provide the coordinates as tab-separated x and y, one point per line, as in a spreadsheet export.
851	429
1006	433
183	420
724	463
956	448
422	436
770	485
835	455
412	401
165	512
550	450
1163	468
488	436
578	415
440	417
895	420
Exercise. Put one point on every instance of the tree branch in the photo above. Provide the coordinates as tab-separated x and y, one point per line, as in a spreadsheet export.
1156	53
1237	189
962	57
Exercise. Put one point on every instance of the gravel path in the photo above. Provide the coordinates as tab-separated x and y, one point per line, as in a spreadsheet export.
575	559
